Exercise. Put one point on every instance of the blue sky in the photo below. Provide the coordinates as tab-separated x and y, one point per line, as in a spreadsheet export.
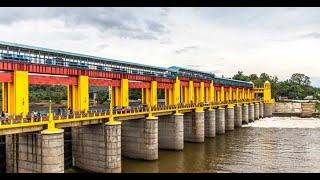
279	41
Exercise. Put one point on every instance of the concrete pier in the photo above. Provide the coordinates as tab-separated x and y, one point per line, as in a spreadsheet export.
220	121
267	110
140	138
256	111
251	112
97	148
210	123
261	110
171	132
237	116
35	152
229	118
194	126
245	114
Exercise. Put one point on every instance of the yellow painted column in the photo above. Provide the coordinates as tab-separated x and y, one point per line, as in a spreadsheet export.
176	91
143	96
201	93
211	93
227	95
267	91
124	92
243	94
83	93
230	93
148	96
191	92
7	97
166	100
219	96
222	94
237	94
154	93
186	94
18	93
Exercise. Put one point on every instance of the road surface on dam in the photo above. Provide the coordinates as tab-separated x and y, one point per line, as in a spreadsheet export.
277	144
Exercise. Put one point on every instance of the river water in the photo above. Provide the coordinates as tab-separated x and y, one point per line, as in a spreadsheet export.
275	144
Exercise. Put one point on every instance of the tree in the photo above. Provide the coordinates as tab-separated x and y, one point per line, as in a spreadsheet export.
240	76
300	79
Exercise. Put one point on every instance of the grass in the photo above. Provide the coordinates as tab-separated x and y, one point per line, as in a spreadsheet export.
318	106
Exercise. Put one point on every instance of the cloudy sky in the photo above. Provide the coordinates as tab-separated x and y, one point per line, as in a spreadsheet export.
279	41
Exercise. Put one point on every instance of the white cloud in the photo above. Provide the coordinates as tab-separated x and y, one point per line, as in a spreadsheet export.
278	41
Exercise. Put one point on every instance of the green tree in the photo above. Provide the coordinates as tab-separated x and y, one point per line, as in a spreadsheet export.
300	79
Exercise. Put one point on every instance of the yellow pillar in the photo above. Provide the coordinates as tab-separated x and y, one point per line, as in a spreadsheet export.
166	100
227	95
154	97
243	94
21	92
191	92
211	93
186	94
230	93
237	94
7	97
222	94
201	93
73	97
176	91
219	96
143	96
83	93
267	91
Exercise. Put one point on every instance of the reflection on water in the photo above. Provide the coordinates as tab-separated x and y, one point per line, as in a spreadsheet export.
267	145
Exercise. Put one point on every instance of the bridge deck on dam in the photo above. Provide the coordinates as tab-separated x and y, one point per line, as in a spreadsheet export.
19	124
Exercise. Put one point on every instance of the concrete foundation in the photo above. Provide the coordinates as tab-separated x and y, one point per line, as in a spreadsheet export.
307	109
140	138
229	119
97	148
245	114
267	110
261	110
251	112
35	153
220	121
2	154
171	132
237	116
210	123
194	127
256	111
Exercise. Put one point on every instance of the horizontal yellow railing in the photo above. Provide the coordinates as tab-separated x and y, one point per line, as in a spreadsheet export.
77	116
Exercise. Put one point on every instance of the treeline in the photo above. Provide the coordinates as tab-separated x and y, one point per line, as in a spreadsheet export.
298	86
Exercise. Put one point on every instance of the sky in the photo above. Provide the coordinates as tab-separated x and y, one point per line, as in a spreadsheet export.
223	40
